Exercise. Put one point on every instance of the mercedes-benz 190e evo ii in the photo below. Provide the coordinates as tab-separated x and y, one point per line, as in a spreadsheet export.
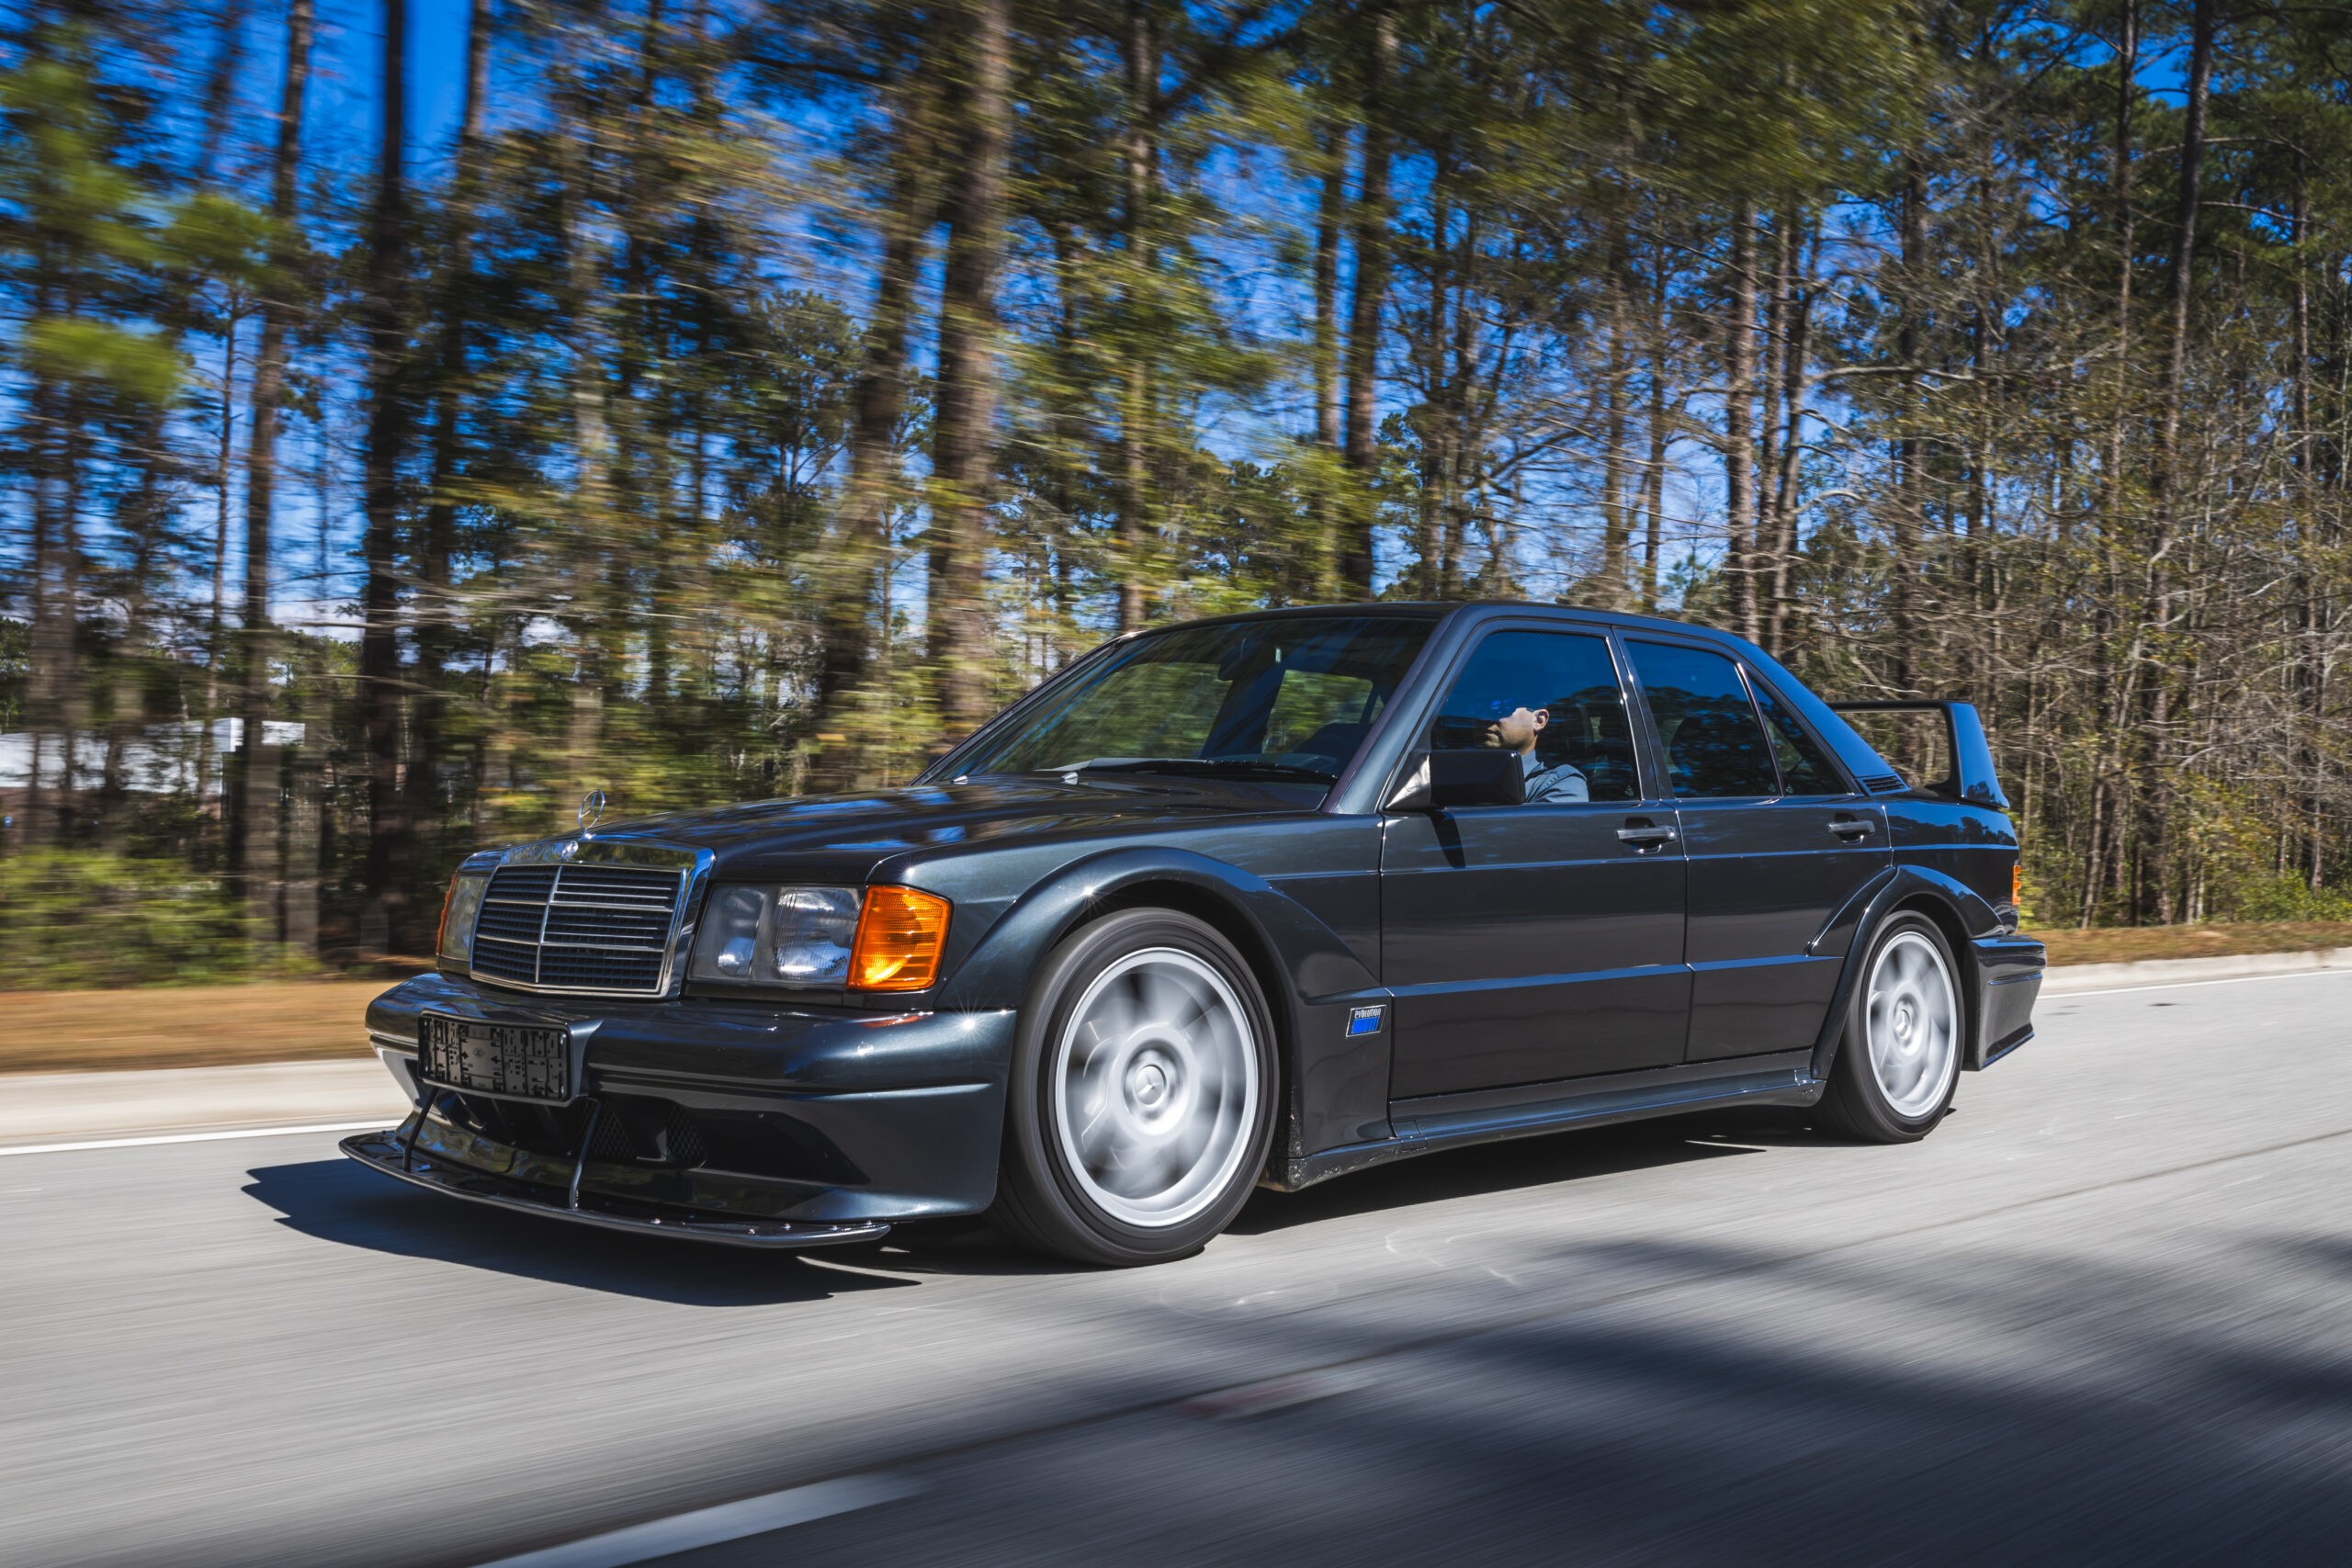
1257	901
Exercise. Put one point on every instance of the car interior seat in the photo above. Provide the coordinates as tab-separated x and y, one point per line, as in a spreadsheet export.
1713	753
1591	738
1334	743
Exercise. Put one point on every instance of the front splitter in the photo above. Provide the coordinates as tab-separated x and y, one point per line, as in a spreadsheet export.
388	1153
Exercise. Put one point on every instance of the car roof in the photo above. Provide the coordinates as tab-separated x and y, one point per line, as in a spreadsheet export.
1431	609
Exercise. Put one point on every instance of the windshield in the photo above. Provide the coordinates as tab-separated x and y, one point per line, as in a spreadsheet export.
1286	697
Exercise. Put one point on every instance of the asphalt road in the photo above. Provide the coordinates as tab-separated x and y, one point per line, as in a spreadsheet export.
2103	1314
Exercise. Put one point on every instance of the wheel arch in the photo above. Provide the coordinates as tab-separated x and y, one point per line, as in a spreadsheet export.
1302	968
1949	906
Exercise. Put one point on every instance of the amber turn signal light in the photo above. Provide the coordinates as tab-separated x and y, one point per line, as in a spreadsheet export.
2017	882
900	935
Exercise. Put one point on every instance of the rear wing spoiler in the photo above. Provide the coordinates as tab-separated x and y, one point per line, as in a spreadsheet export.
1971	755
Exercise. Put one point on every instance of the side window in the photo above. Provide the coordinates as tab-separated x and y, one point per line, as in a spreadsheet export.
1714	744
1554	698
1805	768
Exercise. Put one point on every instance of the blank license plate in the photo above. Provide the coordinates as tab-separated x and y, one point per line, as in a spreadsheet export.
513	1060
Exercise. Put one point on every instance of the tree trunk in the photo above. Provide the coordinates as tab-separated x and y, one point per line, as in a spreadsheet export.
1369	232
56	599
1910	480
862	547
964	434
1615	506
2158	900
216	644
433	614
391	866
1769	570
2310	657
1331	208
1468	411
250	808
1653	477
1438	424
1739	438
1139	158
1796	330
2109	754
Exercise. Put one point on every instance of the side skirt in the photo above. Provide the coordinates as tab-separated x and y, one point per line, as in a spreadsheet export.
1484	1116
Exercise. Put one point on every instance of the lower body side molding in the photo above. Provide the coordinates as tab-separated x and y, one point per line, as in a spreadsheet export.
1483	1116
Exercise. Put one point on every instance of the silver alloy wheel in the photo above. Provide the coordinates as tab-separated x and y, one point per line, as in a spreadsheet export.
1913	1024
1156	1082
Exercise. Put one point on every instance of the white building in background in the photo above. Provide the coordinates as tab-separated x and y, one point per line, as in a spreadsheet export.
162	759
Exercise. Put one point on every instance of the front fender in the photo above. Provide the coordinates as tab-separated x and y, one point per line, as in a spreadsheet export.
1336	1084
1962	910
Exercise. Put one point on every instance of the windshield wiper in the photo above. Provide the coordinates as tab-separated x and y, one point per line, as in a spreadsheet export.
1240	767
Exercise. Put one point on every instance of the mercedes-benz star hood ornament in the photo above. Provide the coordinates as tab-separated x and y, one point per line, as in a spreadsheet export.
592	810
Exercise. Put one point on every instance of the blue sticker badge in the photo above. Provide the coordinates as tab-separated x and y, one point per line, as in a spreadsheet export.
1365	1021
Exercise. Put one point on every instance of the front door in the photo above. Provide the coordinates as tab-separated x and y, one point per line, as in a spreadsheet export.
1779	841
1527	944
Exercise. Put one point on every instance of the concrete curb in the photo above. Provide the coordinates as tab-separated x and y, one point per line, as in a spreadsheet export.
44	1107
2189	971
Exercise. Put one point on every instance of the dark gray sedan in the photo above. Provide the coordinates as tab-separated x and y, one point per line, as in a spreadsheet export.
1258	900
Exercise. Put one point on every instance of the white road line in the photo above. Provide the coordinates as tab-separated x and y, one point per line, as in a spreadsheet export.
194	1137
709	1527
2177	985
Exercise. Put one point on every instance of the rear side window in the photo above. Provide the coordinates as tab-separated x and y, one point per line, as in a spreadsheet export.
1805	768
1714	744
1554	698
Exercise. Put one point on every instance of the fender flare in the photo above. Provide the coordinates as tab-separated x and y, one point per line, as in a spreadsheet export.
1308	972
1958	910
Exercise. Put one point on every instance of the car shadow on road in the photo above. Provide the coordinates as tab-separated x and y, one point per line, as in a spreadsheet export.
1548	1159
336	1200
970	1248
339	1201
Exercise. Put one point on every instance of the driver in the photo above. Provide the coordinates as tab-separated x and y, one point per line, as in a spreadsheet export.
1547	782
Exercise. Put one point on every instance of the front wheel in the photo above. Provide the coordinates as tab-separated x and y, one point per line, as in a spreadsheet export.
1899	1061
1141	1103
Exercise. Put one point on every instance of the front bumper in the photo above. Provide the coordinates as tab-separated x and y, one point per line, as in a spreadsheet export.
752	1123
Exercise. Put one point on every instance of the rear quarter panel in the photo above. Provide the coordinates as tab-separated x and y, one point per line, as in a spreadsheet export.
1974	845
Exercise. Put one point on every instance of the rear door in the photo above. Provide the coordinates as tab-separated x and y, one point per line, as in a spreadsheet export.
1778	841
1525	943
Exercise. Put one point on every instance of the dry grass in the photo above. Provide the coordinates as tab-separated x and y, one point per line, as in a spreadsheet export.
2121	944
304	1021
194	1026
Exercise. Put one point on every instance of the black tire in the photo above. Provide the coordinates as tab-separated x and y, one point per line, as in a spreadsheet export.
1047	1199
1857	1104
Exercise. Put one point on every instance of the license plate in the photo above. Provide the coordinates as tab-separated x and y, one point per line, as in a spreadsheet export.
517	1061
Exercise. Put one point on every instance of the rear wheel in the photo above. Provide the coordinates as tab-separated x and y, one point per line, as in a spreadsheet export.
1141	1102
1899	1061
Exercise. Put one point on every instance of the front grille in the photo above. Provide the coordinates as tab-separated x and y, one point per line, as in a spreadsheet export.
578	928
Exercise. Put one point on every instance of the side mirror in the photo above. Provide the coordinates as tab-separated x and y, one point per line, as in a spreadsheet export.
1481	776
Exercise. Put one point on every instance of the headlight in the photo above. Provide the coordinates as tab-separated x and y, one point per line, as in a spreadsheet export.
778	936
882	938
458	911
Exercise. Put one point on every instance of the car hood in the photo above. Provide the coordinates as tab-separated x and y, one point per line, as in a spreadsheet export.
848	836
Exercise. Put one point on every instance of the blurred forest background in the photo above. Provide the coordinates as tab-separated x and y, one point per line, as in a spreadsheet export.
411	416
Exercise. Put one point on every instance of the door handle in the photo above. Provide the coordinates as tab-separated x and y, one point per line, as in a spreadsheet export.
1644	833
1850	826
